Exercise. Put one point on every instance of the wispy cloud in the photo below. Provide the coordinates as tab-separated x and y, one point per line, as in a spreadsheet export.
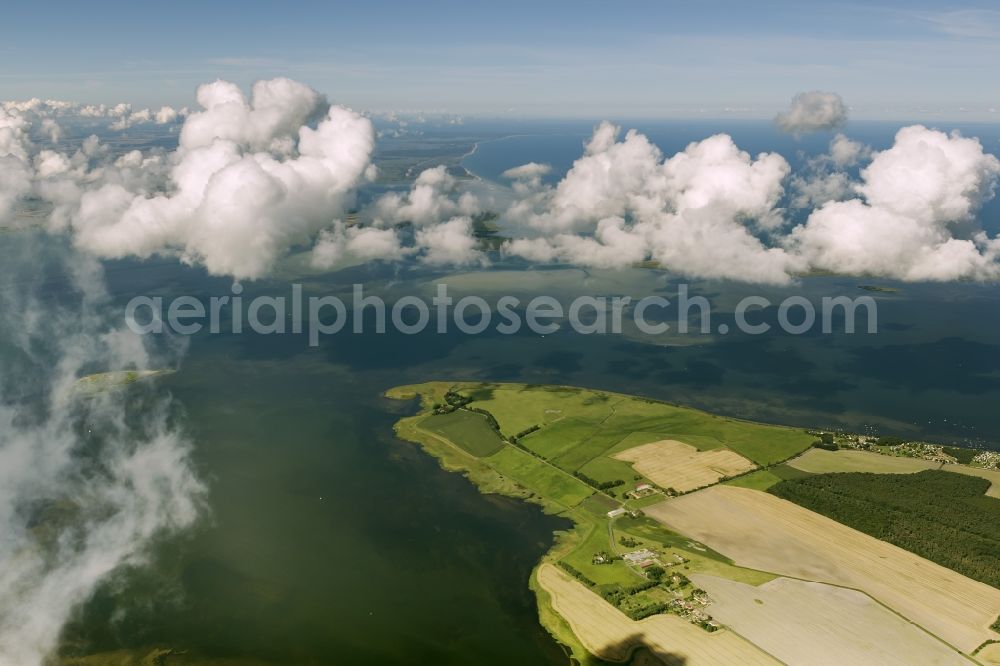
968	23
245	61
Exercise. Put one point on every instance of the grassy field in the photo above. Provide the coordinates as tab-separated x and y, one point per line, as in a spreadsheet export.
762	479
612	418
468	430
605	470
602	574
598	505
785	471
593	448
763	532
540	477
556	439
518	407
763	444
700	442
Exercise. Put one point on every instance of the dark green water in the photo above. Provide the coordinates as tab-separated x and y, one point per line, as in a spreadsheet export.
329	541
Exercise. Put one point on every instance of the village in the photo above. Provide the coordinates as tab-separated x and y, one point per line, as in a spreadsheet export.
896	446
665	590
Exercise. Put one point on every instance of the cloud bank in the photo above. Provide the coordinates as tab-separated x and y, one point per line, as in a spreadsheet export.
697	212
253	177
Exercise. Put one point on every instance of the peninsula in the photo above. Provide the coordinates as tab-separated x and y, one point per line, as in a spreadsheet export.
701	539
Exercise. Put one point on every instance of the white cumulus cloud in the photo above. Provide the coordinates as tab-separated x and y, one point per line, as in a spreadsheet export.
914	219
813	111
696	212
432	198
248	181
450	243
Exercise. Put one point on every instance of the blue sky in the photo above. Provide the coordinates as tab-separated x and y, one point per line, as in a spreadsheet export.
898	60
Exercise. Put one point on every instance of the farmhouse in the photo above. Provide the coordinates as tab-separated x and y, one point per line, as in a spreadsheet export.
639	556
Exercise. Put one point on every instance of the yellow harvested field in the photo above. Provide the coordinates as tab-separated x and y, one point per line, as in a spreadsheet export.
673	464
991	475
608	634
814	623
761	531
990	655
819	461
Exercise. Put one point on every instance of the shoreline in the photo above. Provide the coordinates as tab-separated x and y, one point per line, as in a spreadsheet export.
475	148
488	481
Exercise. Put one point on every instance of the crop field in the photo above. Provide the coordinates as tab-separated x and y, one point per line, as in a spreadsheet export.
468	430
537	476
990	654
760	531
819	461
673	464
814	623
610	635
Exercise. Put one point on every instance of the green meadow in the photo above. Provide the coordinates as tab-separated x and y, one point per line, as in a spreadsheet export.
468	430
578	425
540	477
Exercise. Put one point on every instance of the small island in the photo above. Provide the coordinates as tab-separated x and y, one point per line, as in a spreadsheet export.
878	289
105	381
